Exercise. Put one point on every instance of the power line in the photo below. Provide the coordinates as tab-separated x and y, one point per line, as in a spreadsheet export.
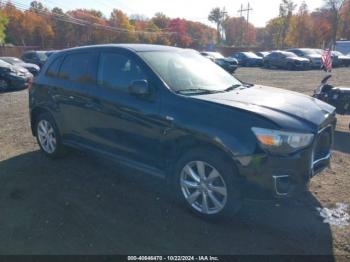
77	21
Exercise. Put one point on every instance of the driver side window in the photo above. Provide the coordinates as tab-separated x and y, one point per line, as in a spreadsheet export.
118	71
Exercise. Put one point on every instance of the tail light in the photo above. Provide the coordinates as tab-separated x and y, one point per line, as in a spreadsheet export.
30	84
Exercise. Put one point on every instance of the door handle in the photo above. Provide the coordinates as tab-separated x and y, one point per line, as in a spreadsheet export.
169	118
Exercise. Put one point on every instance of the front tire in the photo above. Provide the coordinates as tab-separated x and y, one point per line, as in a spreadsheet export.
48	136
4	85
207	184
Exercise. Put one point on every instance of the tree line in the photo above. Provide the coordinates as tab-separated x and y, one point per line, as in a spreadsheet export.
44	28
294	27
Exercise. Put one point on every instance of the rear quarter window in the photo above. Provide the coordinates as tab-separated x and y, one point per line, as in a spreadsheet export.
54	67
79	67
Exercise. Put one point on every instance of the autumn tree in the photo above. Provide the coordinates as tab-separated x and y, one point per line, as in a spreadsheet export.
124	30
334	7
344	30
299	30
233	31
178	34
161	20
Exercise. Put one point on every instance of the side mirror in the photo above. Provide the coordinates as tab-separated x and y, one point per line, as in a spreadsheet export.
139	88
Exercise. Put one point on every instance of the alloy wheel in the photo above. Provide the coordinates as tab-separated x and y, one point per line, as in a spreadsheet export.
203	187
46	136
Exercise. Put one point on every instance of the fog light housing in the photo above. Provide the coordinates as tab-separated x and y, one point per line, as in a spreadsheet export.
282	185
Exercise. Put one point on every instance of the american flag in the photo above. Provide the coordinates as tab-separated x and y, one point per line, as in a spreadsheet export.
327	60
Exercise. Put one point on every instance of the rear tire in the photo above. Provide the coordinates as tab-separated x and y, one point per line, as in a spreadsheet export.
48	136
207	184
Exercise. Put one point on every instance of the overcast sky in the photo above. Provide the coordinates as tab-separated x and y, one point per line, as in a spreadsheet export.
263	10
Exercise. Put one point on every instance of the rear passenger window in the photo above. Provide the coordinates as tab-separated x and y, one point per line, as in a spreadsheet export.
118	71
80	67
54	67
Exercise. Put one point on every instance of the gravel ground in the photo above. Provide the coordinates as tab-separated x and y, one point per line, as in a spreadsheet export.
83	205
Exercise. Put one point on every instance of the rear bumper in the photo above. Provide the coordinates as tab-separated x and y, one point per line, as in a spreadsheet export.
19	82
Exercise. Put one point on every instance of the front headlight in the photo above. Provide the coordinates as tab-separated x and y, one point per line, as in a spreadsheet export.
281	142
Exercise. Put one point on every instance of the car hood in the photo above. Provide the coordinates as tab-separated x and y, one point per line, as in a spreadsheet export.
28	65
274	104
300	59
20	69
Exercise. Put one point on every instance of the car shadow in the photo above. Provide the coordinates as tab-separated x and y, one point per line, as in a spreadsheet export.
84	205
342	141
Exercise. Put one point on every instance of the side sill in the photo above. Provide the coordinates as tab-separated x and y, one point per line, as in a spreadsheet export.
118	159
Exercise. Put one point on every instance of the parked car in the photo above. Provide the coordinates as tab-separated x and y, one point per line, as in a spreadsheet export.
13	77
311	54
35	57
229	64
32	68
344	60
286	60
336	62
174	114
262	54
343	46
248	59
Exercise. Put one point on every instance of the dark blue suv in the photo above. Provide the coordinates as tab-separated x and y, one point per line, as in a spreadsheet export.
176	115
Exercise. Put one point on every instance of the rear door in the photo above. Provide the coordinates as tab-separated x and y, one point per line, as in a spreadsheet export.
121	123
77	75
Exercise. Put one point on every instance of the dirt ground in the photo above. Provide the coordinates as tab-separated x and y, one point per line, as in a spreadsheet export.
84	205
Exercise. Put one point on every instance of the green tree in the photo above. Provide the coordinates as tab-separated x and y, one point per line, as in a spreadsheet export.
218	16
3	23
285	14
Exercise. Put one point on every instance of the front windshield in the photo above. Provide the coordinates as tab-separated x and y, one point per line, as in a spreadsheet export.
189	72
310	52
4	64
216	55
289	54
250	55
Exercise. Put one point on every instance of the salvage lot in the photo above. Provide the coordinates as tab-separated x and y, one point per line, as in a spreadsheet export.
83	205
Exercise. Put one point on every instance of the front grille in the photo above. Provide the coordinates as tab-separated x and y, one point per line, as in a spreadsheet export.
323	144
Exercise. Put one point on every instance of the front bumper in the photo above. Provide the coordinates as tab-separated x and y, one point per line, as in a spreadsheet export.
231	68
268	177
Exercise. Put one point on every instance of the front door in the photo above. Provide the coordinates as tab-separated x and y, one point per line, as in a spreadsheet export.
121	123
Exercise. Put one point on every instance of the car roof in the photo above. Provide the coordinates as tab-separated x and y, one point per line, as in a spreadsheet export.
131	47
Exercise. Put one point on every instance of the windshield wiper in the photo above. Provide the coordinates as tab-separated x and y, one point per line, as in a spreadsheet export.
232	87
196	91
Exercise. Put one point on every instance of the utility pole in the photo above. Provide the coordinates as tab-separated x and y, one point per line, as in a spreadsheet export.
224	17
241	11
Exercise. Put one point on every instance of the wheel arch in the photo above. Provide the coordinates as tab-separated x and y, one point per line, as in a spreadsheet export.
34	114
188	143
